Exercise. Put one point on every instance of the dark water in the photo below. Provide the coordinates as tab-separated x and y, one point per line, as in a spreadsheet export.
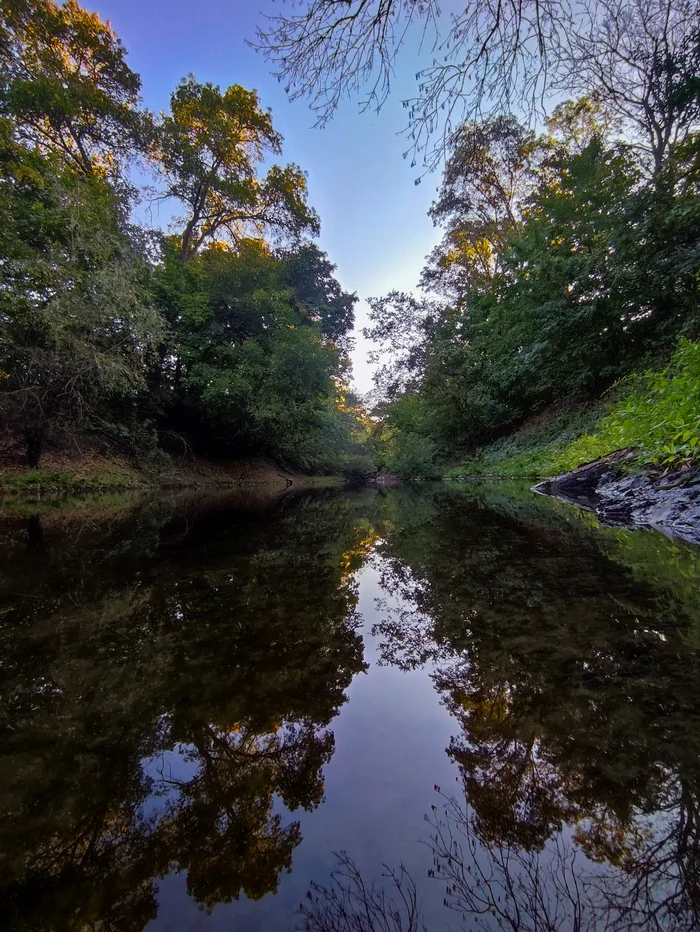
205	701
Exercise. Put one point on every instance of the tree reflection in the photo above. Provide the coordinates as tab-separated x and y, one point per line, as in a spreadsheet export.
575	692
493	884
351	904
170	683
498	884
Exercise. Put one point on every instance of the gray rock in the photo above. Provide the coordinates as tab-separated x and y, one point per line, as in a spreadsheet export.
668	503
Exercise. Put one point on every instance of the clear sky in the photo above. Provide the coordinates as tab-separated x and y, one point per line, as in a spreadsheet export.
373	216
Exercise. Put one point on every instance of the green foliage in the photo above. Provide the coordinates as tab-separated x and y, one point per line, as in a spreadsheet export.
317	294
66	86
414	457
74	326
249	364
565	270
659	415
656	412
211	337
208	148
403	448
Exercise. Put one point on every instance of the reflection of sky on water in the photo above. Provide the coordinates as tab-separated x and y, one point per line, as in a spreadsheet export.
390	741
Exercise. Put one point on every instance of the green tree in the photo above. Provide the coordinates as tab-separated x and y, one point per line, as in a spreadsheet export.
318	294
490	172
209	148
251	365
66	87
74	327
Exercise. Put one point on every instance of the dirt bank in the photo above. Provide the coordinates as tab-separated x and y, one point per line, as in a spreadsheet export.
62	472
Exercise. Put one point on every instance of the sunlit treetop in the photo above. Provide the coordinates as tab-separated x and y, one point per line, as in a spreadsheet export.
209	149
65	84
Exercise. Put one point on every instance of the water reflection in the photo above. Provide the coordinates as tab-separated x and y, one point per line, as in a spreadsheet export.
218	642
575	694
172	669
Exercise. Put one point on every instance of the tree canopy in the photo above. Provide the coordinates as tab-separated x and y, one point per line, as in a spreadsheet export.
565	265
227	336
66	86
208	148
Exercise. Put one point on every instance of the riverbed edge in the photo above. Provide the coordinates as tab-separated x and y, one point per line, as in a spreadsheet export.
59	476
648	497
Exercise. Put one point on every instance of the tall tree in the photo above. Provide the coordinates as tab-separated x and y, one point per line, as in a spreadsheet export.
66	86
74	328
641	57
256	351
491	169
209	148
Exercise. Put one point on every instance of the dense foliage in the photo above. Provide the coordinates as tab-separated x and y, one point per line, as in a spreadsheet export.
226	338
568	262
656	413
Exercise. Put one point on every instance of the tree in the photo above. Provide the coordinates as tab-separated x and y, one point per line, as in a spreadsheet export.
556	322
562	268
66	87
400	327
641	59
74	327
208	149
574	124
319	296
250	363
490	171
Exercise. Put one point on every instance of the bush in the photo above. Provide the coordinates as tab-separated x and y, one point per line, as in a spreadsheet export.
414	457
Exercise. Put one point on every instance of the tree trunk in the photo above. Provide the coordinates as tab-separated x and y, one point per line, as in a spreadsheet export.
35	447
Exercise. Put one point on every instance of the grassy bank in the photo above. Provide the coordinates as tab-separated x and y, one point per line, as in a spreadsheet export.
655	412
65	475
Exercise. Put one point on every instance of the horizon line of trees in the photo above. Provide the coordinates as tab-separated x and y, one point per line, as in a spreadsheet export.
569	258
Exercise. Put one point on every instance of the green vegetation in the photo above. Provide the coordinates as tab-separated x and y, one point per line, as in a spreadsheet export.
568	271
657	413
228	338
569	264
30	480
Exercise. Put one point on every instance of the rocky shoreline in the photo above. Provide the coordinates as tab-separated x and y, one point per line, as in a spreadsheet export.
667	502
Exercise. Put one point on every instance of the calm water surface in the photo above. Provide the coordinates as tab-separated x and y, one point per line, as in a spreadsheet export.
468	703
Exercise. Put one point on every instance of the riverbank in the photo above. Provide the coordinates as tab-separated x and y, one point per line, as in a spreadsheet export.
635	462
654	413
652	498
63	473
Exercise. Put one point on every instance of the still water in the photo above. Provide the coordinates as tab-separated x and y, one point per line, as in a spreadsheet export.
449	708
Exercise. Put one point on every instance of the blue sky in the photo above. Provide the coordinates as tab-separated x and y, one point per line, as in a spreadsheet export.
373	216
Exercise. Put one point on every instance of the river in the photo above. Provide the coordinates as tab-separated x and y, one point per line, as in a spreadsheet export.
449	707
